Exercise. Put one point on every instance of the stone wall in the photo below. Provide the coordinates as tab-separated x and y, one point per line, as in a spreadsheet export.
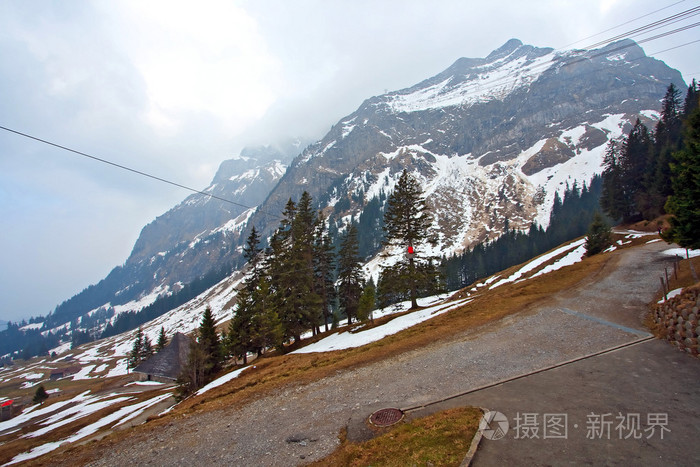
677	319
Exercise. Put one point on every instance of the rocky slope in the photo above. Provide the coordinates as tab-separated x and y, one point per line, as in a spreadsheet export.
489	138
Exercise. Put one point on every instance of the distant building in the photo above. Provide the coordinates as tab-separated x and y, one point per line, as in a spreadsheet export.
167	364
59	373
9	409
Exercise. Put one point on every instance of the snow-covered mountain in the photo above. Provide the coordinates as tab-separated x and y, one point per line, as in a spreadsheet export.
489	139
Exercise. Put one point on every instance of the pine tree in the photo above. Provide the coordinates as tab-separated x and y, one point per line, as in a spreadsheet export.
599	236
136	354
307	296
198	369
162	340
40	395
324	267
613	200
290	269
692	99
349	274
238	336
266	329
209	340
668	129
251	253
684	203
407	225
367	302
147	348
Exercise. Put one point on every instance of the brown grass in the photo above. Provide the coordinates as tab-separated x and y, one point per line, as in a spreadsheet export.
442	438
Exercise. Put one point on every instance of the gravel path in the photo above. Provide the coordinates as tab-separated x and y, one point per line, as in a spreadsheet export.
300	424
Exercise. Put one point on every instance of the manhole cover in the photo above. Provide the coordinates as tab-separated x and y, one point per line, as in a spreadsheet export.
386	417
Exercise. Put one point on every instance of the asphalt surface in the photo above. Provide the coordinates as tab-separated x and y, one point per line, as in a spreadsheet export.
639	405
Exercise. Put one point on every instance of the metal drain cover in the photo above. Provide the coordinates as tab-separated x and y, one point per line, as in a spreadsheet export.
386	417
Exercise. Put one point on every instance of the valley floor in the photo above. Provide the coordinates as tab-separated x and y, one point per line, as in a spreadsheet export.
301	423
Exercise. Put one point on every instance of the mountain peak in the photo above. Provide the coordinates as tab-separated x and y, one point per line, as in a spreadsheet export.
506	49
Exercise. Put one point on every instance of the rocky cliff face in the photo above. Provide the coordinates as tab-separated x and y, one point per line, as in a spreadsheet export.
489	138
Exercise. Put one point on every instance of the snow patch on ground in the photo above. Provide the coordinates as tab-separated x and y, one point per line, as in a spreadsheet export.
681	252
347	340
573	257
221	380
538	262
671	294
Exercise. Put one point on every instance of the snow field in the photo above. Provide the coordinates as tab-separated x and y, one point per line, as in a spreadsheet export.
86	406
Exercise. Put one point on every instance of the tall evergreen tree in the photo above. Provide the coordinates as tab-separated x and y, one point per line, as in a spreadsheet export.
162	340
349	274
251	253
136	353
290	267
692	99
367	302
668	128
146	348
684	203
324	267
238	337
266	329
307	296
407	226
209	340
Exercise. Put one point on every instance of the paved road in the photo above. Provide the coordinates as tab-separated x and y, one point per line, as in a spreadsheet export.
609	402
301	423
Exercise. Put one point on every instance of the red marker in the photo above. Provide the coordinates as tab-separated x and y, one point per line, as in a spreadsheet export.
410	250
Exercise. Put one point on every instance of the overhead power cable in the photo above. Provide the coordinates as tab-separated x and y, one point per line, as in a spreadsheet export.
650	27
129	169
620	25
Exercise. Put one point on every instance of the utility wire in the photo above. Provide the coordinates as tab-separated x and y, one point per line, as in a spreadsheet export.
650	27
129	169
620	25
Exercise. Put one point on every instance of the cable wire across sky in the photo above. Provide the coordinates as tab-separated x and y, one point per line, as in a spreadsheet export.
494	84
129	169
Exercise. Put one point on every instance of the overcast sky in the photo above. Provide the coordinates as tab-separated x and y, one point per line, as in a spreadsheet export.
174	88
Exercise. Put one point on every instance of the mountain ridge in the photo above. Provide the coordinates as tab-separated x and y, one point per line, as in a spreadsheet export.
489	139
